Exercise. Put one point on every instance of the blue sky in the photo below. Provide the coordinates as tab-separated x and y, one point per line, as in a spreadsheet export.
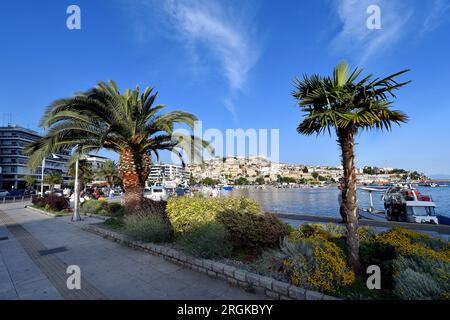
232	63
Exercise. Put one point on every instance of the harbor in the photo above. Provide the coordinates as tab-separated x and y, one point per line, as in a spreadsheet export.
441	231
323	201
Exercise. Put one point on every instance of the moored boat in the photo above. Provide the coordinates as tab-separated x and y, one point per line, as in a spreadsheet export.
402	203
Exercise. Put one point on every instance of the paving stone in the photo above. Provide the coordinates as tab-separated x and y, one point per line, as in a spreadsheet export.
266	282
313	295
229	270
117	271
325	297
240	275
297	293
281	287
272	294
253	278
218	267
207	264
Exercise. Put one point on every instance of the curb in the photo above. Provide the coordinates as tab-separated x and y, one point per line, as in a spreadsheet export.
249	281
42	211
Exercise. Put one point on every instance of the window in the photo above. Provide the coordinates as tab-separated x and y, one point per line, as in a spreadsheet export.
423	211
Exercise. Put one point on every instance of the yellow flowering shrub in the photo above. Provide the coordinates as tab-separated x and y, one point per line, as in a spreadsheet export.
318	265
186	213
409	243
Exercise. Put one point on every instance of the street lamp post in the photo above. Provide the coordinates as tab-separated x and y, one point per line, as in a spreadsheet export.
42	177
76	213
54	156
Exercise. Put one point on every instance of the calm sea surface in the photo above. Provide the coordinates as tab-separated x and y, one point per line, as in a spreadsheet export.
324	201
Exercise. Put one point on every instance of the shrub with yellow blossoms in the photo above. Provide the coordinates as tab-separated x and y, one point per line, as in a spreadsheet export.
317	264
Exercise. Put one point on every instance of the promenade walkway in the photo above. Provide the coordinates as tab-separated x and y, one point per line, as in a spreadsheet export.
35	251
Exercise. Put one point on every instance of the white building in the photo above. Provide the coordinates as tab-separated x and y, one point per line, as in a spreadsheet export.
13	163
163	173
96	162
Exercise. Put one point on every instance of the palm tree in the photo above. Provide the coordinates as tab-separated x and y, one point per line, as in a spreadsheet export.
30	181
347	106
85	172
109	172
128	123
53	178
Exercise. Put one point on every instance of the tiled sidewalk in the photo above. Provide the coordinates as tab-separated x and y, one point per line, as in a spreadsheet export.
108	270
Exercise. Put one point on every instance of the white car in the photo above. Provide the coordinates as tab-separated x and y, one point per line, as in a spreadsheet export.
3	193
157	194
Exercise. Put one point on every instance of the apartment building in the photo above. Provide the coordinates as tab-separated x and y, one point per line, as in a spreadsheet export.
161	172
13	164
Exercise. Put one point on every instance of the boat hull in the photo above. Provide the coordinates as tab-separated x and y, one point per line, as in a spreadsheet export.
372	215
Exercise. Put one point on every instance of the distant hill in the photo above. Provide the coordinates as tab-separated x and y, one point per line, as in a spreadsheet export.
440	176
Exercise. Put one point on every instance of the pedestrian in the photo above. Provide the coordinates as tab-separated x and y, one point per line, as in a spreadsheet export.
96	193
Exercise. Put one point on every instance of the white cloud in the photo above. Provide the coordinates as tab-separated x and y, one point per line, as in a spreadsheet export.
438	15
218	30
356	38
215	36
229	105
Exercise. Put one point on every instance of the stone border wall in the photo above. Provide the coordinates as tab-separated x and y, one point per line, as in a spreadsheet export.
249	281
50	214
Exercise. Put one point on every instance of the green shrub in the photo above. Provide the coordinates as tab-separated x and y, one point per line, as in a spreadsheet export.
270	263
334	229
156	207
114	223
412	285
147	228
419	278
314	231
382	255
253	231
209	241
94	207
115	209
186	213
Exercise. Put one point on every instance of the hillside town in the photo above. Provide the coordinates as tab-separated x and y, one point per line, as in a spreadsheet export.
232	170
259	170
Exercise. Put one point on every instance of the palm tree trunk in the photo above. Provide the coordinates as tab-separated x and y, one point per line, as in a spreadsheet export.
134	169
349	201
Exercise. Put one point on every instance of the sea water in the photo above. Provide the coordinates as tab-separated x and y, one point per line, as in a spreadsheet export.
324	201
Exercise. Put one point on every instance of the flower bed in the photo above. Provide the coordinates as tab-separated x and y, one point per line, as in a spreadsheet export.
249	281
51	205
233	231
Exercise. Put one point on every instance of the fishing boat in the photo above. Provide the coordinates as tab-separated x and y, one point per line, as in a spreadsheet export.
371	212
401	203
429	184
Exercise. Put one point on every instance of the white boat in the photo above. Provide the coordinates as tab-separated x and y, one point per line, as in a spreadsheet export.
401	203
377	215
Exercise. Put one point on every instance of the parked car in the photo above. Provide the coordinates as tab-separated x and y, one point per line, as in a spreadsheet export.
4	193
29	192
157	194
16	192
